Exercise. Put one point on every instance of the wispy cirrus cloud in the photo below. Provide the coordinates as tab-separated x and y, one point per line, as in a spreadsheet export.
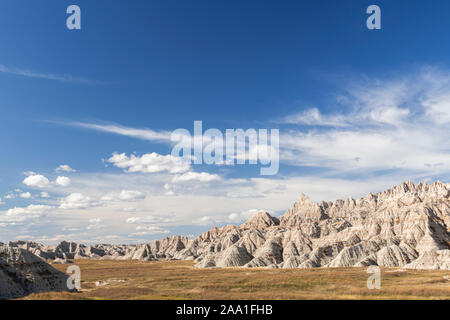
396	123
393	123
400	123
313	117
143	134
47	76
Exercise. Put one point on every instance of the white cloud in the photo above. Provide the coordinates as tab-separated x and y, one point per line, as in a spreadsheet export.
149	163
39	181
10	196
65	168
148	225
130	195
244	215
20	215
314	117
384	133
205	221
95	224
375	124
47	76
438	109
77	201
44	194
147	220
34	210
134	220
149	230
399	124
196	176
188	208
25	195
169	190
36	180
124	195
235	217
144	134
62	181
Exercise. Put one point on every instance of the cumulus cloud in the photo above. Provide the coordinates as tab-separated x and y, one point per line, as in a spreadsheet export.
25	195
77	201
22	214
33	210
65	168
149	163
196	176
36	181
124	195
62	181
130	195
44	194
40	181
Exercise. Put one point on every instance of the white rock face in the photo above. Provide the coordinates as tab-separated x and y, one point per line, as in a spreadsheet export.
66	251
405	226
22	273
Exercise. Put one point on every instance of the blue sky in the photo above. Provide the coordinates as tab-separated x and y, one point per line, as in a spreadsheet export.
358	110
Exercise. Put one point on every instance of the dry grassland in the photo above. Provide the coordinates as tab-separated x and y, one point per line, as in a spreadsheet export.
181	280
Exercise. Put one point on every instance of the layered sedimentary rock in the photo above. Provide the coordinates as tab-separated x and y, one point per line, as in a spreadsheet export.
66	251
23	273
405	226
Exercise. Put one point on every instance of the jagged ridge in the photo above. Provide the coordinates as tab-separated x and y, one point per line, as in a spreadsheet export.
404	226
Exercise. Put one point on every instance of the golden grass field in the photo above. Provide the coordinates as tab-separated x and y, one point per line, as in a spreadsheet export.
181	280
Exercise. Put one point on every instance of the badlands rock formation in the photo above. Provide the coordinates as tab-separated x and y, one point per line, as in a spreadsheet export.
22	273
67	251
405	226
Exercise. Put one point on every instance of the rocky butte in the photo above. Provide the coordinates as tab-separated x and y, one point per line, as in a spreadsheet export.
22	273
405	226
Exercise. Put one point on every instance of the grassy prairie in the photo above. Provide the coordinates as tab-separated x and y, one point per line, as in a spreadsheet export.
181	280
